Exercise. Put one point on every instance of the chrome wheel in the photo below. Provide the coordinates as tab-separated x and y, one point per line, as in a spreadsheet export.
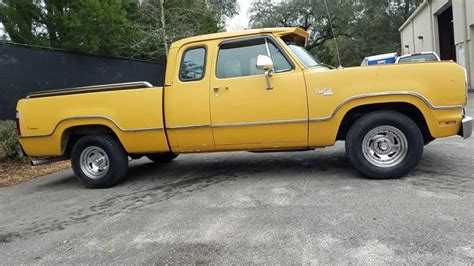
94	162
385	146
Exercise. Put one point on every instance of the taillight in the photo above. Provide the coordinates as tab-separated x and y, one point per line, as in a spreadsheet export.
18	129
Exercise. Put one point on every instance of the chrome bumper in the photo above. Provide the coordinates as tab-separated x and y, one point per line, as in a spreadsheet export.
466	128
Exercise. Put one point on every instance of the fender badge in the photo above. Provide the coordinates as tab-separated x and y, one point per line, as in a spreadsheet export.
325	92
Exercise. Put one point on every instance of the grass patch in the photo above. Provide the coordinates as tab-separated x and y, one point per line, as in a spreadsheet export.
9	146
14	168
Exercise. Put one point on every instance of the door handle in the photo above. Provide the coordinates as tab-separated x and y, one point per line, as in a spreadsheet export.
217	89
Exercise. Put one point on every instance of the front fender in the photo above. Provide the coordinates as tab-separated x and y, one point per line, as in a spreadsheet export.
323	130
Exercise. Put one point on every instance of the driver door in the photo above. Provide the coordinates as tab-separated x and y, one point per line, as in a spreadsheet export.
247	115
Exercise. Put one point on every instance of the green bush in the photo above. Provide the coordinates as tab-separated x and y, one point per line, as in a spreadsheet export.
9	146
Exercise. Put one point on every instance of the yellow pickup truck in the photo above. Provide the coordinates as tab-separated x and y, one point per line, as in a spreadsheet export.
254	90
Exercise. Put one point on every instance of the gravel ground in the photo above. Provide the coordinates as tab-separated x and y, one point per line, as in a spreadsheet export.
14	171
299	207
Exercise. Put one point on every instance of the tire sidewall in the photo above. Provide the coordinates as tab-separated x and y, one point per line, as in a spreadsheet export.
116	155
354	144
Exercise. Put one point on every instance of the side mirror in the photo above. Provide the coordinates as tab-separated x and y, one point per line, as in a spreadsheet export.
265	63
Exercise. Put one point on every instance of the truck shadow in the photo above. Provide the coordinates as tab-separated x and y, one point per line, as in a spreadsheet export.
244	165
149	184
238	165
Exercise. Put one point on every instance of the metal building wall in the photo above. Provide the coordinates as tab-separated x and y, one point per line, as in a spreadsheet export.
25	69
424	23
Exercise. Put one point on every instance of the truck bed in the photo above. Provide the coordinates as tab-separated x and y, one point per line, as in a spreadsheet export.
132	111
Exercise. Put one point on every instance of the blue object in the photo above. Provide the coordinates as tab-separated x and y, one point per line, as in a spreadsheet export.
382	59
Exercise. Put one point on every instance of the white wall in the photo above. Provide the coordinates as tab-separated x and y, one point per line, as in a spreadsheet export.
470	12
462	11
471	58
425	24
420	26
423	27
439	6
407	39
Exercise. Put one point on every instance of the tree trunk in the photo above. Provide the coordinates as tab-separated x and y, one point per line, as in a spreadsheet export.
163	24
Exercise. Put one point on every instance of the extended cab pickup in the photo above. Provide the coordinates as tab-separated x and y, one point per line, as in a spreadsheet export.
255	90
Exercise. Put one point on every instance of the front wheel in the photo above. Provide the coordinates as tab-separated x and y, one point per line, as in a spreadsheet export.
99	161
384	145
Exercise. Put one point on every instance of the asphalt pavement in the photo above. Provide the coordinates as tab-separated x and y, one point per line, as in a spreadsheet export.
294	207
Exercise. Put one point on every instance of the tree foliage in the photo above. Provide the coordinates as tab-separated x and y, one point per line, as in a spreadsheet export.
158	23
133	28
362	27
81	25
145	28
20	19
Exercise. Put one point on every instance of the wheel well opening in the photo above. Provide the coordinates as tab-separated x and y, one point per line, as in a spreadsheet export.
405	108
73	134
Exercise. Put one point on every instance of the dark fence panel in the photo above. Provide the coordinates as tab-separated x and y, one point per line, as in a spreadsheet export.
26	69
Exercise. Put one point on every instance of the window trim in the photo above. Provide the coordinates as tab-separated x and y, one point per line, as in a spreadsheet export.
268	39
204	66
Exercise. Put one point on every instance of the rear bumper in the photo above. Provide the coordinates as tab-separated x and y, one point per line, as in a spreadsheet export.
466	127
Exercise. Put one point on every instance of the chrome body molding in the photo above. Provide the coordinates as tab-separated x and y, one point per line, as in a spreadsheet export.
94	117
263	123
189	127
242	124
389	93
89	89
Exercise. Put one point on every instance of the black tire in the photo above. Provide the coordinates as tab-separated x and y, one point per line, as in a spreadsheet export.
116	156
355	144
162	157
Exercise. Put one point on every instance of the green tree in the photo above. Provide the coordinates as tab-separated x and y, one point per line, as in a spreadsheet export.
133	28
362	27
80	25
87	25
21	21
310	15
158	23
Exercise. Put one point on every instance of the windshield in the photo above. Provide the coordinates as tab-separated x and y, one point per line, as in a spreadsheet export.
303	55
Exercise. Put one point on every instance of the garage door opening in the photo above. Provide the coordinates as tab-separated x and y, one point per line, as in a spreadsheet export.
446	35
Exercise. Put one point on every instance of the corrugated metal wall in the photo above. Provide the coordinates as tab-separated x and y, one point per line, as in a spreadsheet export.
25	68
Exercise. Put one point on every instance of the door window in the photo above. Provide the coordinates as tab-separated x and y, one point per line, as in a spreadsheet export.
193	64
239	59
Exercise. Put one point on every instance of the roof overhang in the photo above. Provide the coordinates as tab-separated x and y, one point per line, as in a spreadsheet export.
300	35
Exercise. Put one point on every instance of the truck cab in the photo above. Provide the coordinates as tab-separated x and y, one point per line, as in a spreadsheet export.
220	100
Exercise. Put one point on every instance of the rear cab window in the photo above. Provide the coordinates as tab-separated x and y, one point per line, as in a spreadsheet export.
419	58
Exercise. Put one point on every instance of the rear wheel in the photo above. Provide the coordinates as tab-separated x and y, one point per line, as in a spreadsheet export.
99	161
162	157
384	145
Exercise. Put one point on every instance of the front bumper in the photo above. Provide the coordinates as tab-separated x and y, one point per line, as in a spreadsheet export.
466	127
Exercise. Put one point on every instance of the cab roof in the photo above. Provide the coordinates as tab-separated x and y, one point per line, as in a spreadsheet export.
297	32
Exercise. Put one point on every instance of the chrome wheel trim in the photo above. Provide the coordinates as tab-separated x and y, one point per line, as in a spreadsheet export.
385	146
94	162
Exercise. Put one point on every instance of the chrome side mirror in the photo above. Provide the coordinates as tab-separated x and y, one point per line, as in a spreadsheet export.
265	63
